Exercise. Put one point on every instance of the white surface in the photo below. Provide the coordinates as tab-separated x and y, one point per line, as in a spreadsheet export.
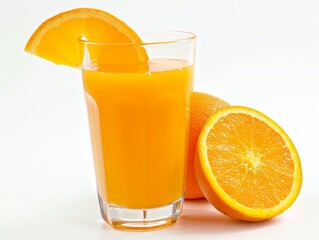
262	54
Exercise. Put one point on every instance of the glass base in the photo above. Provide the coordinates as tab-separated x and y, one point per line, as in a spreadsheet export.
122	218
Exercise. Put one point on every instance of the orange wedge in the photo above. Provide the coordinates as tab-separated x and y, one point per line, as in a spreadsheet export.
246	165
58	38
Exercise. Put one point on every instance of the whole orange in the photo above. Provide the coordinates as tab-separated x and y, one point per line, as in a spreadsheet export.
201	107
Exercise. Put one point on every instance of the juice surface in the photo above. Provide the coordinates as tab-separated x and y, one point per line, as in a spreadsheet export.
139	129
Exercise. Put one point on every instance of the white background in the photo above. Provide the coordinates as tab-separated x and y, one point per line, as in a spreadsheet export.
261	54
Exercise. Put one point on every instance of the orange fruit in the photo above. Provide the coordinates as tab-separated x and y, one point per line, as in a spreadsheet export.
201	107
246	165
58	38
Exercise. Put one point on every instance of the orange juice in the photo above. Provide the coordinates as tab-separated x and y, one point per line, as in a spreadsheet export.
139	128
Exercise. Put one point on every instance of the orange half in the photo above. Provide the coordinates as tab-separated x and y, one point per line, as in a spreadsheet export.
57	38
246	165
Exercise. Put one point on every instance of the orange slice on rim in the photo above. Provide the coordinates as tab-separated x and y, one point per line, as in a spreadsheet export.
58	38
246	165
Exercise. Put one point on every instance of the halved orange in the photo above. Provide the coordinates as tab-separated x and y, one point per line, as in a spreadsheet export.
57	38
246	165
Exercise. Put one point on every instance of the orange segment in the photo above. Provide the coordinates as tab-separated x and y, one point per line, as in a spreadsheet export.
246	165
57	38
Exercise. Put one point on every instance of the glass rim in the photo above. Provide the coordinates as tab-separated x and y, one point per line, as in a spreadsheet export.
188	36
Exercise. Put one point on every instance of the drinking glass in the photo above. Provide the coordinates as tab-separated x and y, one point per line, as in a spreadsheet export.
138	114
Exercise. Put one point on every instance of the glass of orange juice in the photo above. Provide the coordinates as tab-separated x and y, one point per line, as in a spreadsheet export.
138	114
